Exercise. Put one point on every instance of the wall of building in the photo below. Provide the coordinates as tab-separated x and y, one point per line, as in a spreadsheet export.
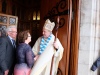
89	46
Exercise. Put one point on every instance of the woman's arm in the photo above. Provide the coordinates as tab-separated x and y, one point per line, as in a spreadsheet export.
29	58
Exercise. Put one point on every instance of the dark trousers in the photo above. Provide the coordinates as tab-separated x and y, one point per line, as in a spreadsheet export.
11	71
1	72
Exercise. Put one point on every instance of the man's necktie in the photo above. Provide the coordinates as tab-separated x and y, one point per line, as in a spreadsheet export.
14	43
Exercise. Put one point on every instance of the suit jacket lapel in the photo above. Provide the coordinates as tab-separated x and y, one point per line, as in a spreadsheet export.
9	41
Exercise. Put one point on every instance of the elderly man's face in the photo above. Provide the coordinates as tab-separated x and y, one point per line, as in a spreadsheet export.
13	33
46	33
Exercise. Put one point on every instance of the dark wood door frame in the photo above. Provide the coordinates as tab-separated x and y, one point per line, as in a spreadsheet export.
74	46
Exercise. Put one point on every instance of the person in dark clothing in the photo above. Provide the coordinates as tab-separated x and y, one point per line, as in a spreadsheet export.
24	54
96	64
7	51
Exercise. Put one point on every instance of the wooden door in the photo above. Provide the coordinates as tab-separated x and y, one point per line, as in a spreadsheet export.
53	9
74	43
68	33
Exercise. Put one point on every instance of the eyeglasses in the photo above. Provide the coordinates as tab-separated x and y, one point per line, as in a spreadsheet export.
29	36
13	31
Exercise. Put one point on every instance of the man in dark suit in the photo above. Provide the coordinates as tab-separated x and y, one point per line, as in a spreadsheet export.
7	51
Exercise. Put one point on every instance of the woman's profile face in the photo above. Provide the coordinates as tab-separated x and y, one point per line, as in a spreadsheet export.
46	33
29	38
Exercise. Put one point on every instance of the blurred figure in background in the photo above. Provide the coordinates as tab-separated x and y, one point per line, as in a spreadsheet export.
3	33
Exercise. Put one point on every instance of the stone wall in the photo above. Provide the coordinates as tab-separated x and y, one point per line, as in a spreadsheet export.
89	45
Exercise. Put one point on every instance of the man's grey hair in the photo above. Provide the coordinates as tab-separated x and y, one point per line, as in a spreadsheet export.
9	28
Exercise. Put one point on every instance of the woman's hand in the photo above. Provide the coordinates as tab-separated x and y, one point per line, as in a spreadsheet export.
36	57
6	72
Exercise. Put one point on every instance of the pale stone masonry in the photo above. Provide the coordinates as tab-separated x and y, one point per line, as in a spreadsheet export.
89	45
